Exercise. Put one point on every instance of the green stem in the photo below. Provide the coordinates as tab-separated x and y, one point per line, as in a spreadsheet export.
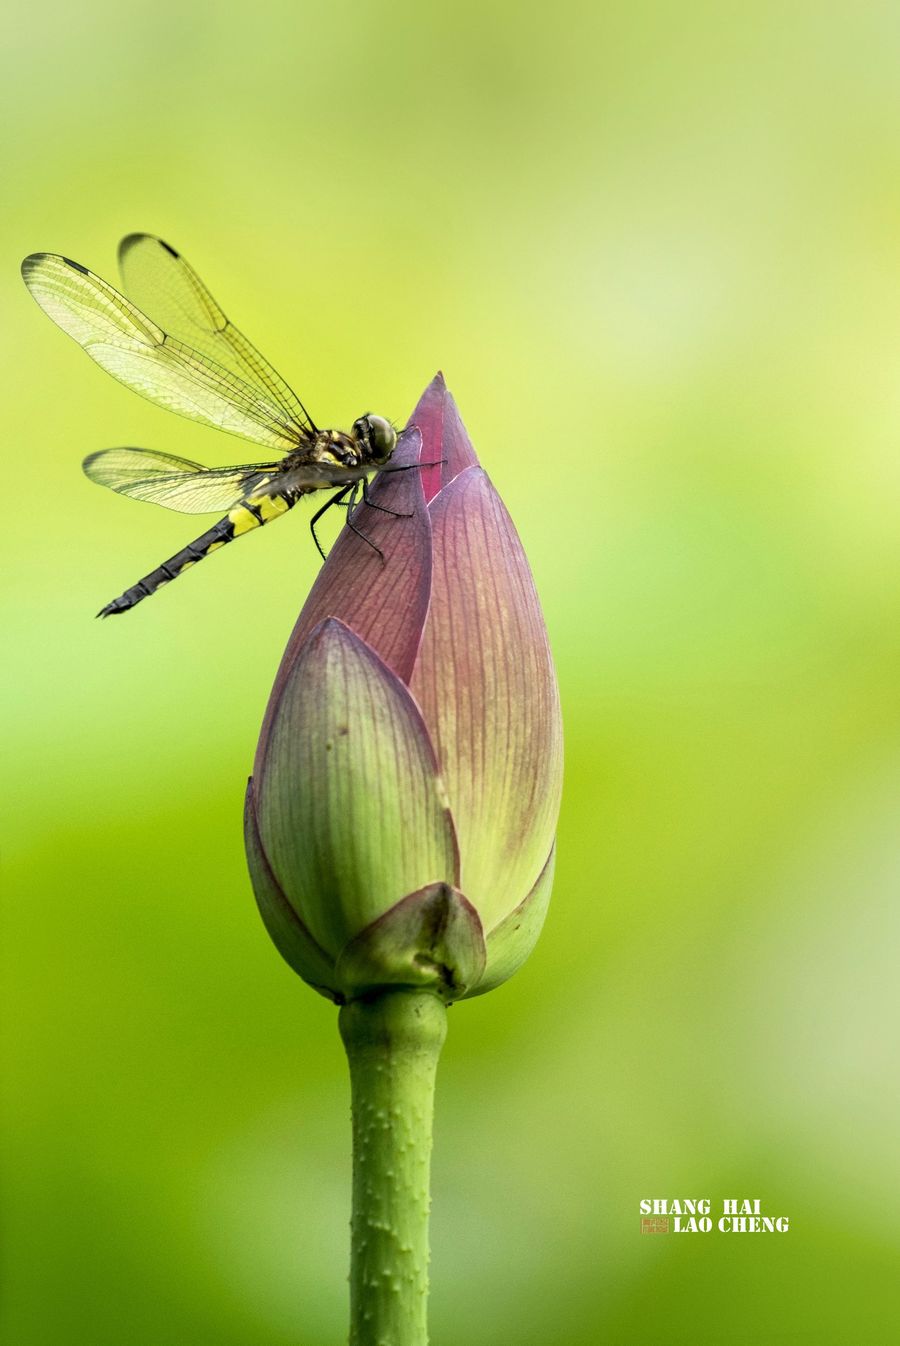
393	1043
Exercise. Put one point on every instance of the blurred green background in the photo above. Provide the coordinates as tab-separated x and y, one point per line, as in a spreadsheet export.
656	251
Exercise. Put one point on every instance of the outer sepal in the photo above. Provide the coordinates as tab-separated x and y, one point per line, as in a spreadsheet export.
430	939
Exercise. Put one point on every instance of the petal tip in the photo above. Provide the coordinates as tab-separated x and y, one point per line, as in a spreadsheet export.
445	442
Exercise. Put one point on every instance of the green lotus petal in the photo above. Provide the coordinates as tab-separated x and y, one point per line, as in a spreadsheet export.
351	807
484	678
511	942
287	932
431	938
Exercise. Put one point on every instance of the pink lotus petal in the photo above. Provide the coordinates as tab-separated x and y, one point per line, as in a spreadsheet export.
485	681
443	436
383	602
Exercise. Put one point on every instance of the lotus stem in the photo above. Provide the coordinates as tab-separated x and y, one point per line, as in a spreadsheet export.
393	1042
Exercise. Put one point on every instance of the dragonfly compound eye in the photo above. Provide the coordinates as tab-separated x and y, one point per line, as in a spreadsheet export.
382	437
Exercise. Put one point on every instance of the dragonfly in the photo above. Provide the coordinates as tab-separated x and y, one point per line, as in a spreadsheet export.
171	342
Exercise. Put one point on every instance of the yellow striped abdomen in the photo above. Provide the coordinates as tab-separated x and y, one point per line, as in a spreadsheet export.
255	511
250	513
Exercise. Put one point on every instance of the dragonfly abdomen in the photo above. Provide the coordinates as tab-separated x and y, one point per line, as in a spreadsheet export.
249	514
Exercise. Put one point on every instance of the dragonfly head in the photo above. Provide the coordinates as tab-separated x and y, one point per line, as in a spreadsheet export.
376	437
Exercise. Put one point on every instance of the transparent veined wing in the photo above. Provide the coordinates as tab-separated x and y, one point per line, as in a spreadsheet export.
143	356
176	483
168	289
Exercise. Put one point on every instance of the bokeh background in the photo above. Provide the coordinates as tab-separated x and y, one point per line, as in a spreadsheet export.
656	250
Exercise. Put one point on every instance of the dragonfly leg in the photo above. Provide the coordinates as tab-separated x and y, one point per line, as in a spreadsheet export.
351	511
408	467
351	501
346	498
332	500
382	509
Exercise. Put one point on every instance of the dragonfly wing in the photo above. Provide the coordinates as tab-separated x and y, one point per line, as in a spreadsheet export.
162	284
176	483
143	356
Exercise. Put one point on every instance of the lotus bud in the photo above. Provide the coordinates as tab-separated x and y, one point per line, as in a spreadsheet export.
401	816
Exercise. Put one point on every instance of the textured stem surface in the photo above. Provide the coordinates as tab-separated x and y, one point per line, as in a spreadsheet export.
393	1043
